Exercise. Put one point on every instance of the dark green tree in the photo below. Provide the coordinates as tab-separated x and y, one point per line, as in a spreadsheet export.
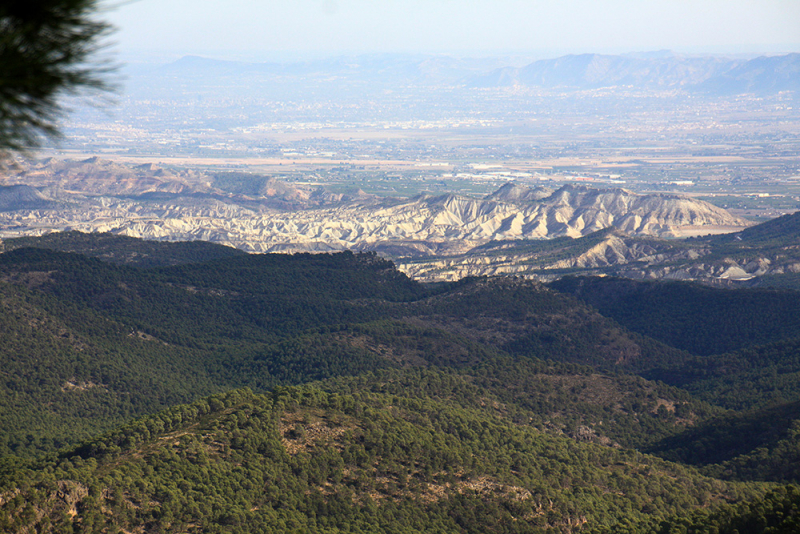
48	48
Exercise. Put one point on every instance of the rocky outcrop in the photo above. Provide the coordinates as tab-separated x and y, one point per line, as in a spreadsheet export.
740	258
609	250
153	203
512	192
21	197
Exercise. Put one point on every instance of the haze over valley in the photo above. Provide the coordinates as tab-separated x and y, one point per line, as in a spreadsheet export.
425	157
399	125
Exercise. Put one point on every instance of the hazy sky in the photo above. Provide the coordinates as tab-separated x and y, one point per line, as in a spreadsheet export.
268	29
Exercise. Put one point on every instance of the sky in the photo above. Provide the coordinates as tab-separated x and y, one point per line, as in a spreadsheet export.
275	29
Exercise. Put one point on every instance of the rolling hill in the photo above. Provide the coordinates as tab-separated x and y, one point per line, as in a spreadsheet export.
377	403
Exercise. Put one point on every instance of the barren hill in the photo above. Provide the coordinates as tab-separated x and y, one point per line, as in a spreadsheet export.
260	214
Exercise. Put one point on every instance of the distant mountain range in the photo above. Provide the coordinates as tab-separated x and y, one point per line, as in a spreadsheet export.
389	67
713	75
710	74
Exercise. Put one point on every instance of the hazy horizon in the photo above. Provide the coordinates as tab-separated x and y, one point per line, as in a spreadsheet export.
247	30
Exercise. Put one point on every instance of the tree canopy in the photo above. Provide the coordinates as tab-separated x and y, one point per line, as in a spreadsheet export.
48	48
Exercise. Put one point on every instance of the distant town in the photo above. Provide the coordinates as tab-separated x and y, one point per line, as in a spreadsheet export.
403	135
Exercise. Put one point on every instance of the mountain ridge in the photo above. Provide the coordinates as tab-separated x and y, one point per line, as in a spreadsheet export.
706	75
709	74
761	255
265	215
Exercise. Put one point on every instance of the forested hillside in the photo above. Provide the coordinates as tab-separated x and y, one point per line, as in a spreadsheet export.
308	460
490	404
700	319
118	341
124	250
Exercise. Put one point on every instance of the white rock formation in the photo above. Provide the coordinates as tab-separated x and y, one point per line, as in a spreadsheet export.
148	202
